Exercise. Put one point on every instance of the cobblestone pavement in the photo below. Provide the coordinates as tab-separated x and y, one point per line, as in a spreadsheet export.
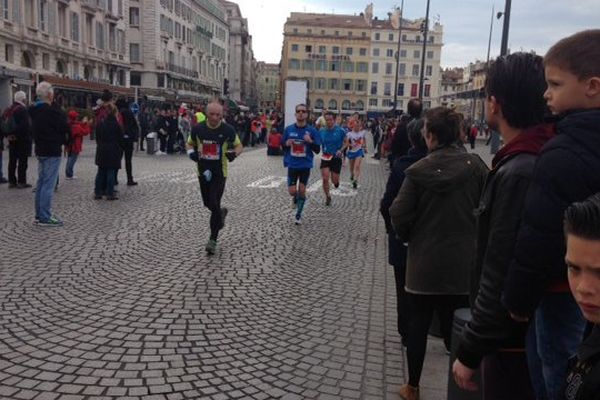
123	302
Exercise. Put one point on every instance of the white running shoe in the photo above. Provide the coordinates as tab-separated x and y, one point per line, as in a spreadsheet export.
298	219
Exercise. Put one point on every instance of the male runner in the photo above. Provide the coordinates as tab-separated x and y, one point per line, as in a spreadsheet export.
332	138
300	143
212	145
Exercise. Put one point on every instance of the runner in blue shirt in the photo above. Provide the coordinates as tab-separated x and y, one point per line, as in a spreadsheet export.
332	138
300	143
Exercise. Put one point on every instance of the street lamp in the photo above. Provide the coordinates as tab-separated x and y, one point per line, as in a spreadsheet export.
504	45
398	57
424	29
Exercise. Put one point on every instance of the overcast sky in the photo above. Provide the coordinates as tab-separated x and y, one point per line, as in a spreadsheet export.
534	24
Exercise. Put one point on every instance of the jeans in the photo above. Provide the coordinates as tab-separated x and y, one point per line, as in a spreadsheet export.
70	164
47	177
105	182
554	335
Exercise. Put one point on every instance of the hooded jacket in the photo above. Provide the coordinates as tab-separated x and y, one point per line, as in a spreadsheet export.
50	129
566	171
433	212
583	380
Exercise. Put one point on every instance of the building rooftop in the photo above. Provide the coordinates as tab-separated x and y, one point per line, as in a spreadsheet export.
328	20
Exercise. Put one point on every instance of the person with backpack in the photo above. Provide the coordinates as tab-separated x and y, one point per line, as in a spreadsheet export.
16	126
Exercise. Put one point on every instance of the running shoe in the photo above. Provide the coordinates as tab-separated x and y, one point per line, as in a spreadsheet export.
354	184
52	222
328	201
211	246
298	219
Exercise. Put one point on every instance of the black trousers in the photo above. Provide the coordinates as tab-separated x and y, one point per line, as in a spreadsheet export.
163	142
18	152
397	258
128	153
212	192
422	307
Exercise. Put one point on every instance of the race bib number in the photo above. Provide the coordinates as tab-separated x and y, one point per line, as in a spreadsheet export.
326	157
357	145
211	151
298	148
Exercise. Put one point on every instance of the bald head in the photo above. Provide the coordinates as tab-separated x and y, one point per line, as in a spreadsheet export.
214	113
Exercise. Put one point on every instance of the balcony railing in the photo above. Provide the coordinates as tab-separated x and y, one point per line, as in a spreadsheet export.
183	71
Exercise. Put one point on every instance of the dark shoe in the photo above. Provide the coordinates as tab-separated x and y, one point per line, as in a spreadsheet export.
224	212
211	247
112	198
23	185
131	183
328	201
354	184
52	222
12	186
97	197
3	180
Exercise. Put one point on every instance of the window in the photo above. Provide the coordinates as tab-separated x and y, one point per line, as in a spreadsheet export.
430	39
308	65
430	54
400	91
375	52
347	84
386	103
389	53
309	31
415	71
295	30
348	51
388	68
417	38
348	66
346	105
321	65
427	90
377	36
134	52
322	49
46	61
62	20
372	102
332	104
9	53
134	16
391	37
43	15
402	70
375	68
350	33
362	67
361	85
362	52
333	84
428	70
294	63
364	34
322	32
99	35
294	47
359	105
5	10
402	53
319	103
400	103
337	33
387	89
135	79
335	50
413	90
416	54
320	83
374	88
334	66
404	39
308	49
75	27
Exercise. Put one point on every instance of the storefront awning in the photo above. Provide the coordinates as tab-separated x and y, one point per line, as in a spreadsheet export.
81	85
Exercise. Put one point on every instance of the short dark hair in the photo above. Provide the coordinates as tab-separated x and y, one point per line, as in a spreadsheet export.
415	136
579	54
583	219
300	105
414	108
444	124
330	113
518	84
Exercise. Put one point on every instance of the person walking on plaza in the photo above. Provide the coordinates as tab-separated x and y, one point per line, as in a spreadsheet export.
17	127
300	142
145	120
582	230
332	139
515	107
79	129
109	151
356	145
566	171
131	133
50	133
397	251
212	145
433	212
161	126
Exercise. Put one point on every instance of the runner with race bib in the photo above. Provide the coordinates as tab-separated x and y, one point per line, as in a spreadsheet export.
332	138
356	142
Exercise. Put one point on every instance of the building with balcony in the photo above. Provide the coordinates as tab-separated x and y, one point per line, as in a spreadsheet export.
178	48
242	75
331	53
79	46
268	85
382	73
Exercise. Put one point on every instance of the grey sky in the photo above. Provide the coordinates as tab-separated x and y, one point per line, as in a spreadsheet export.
534	24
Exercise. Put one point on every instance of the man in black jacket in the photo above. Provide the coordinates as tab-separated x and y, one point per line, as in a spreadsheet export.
19	142
400	142
515	106
50	132
130	136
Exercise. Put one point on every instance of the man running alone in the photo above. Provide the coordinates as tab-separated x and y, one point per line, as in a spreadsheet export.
332	138
300	143
212	145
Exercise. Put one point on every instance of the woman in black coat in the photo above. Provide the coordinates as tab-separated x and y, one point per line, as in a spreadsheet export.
109	151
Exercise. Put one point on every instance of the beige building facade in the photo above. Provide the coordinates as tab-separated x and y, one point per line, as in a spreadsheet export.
267	76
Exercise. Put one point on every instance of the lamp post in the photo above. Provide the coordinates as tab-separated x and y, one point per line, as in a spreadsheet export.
398	58
504	45
425	29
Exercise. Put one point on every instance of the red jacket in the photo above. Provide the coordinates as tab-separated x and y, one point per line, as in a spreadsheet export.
78	131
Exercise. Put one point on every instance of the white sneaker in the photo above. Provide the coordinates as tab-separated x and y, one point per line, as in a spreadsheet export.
297	219
160	153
